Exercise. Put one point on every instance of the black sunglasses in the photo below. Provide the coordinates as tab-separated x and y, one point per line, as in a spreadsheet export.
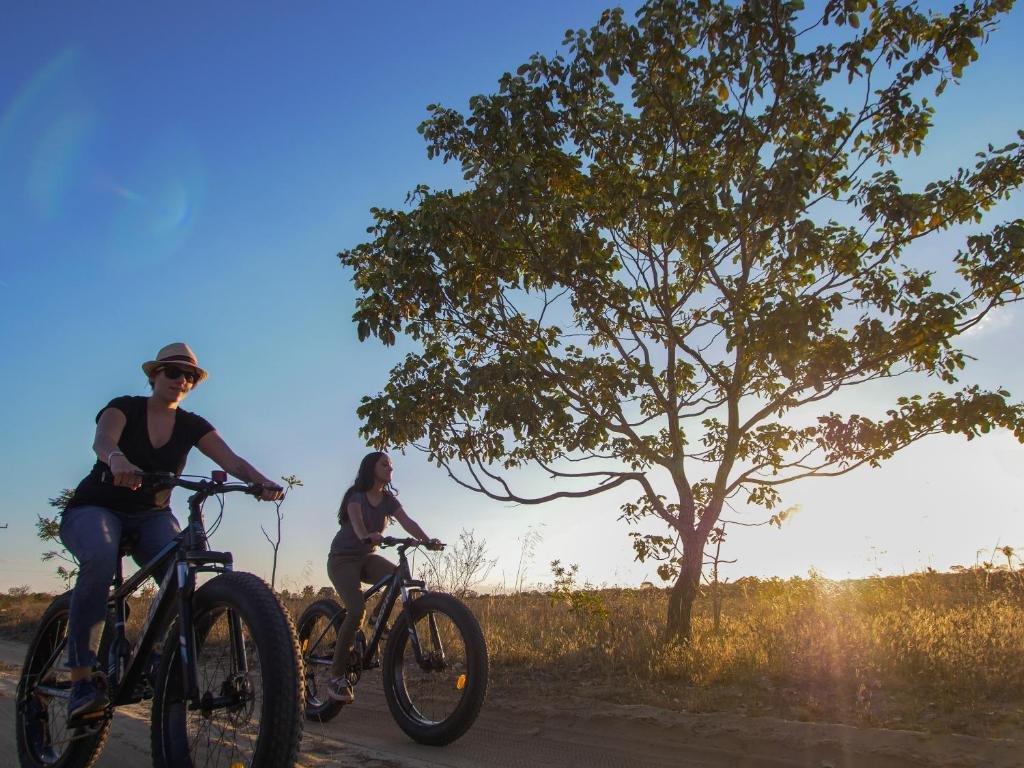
174	373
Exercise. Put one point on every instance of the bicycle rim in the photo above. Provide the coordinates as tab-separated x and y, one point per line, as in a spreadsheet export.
44	738
429	689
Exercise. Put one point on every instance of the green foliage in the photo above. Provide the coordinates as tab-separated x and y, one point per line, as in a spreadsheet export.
48	530
290	481
62	499
678	237
584	603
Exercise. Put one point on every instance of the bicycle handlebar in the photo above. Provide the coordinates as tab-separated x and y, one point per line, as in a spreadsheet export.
206	487
393	541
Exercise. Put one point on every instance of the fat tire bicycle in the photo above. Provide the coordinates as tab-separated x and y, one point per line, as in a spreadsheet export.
227	687
433	657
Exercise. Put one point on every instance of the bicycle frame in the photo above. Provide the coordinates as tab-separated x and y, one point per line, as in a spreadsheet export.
398	583
190	557
182	559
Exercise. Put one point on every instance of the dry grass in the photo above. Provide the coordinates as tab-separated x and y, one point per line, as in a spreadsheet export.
931	651
939	652
19	615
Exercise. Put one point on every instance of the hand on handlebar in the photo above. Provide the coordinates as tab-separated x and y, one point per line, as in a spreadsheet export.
373	538
125	473
271	492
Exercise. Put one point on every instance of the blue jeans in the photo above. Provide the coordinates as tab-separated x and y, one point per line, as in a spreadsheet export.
93	535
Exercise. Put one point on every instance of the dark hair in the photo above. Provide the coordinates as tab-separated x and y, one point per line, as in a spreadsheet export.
364	482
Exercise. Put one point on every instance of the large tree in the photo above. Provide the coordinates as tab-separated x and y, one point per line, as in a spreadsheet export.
680	237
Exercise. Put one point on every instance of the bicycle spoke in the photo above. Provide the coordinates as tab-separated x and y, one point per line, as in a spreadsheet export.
50	711
43	735
434	684
226	734
319	656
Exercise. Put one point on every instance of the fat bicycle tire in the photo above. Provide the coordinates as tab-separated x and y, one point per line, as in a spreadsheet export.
317	652
454	674
43	737
265	728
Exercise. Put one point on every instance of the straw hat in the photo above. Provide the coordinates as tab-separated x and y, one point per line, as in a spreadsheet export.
180	354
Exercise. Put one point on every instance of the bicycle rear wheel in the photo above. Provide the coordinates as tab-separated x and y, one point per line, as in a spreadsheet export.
248	715
318	634
43	736
435	669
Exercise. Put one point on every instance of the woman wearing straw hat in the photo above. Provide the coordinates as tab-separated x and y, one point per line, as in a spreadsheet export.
150	434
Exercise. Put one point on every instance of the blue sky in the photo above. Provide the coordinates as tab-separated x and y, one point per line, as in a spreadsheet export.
189	172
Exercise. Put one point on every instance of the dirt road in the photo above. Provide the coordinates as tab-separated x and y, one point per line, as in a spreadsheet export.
542	732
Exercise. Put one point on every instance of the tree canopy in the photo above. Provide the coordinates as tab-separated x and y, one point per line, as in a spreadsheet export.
678	238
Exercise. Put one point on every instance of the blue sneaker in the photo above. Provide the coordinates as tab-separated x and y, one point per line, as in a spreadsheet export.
88	695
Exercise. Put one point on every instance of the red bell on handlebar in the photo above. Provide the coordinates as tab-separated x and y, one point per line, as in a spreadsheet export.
219	476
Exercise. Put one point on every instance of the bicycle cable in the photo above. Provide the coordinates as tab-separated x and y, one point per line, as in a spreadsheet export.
212	529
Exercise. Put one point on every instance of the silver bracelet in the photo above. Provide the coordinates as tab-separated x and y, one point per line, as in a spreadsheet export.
112	454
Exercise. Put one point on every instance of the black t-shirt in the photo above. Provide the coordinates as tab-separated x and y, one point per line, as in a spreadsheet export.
134	443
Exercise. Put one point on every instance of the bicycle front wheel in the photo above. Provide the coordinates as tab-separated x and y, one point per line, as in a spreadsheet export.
435	669
248	711
44	739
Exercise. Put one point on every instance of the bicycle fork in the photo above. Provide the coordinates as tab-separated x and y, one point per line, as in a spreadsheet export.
186	630
187	644
435	660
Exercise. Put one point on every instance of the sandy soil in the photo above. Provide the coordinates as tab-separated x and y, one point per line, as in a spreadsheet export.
541	732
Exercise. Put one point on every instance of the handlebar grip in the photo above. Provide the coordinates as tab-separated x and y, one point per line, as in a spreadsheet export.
149	479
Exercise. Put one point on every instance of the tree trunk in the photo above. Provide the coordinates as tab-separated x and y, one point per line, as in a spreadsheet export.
684	592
